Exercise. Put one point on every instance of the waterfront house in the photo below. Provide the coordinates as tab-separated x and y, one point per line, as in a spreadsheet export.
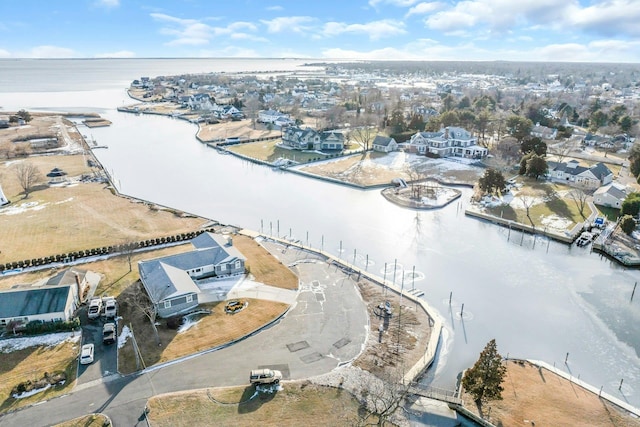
297	138
172	281
384	144
610	196
572	173
54	299
447	142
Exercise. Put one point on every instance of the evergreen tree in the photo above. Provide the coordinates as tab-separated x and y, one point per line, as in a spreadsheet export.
483	381
627	224
491	181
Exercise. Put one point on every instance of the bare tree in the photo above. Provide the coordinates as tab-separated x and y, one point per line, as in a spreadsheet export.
28	176
363	135
127	249
251	108
561	150
415	174
527	201
382	396
141	301
580	198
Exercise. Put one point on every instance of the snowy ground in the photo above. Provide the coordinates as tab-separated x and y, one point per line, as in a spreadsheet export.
50	340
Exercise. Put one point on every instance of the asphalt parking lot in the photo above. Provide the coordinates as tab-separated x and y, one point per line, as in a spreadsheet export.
105	358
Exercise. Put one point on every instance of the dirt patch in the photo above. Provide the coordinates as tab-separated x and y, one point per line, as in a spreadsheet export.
93	420
536	396
405	333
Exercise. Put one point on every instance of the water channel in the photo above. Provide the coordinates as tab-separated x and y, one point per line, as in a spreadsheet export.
539	299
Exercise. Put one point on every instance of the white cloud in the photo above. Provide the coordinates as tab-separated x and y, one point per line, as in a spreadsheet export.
610	17
48	52
294	24
274	8
245	36
424	8
118	54
4	53
184	31
108	3
375	30
399	3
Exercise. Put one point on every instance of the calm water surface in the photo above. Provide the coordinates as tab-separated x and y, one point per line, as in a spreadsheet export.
539	299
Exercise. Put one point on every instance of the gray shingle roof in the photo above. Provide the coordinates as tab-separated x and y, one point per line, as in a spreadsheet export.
382	141
29	302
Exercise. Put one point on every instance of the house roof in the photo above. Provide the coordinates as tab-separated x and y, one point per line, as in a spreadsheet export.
382	141
164	281
600	170
167	277
612	190
67	277
30	302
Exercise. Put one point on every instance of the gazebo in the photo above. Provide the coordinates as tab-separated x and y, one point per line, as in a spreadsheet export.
57	176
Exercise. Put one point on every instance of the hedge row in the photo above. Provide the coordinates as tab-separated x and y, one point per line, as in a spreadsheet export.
104	250
37	327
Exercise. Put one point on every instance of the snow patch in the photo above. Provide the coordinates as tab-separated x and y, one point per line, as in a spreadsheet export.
124	336
31	393
50	340
555	222
187	324
22	207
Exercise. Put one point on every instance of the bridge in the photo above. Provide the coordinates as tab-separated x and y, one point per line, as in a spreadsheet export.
440	394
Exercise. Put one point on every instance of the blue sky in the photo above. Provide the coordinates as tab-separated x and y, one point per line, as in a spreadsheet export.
531	30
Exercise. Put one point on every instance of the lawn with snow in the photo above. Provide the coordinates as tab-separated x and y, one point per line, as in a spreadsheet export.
49	340
124	336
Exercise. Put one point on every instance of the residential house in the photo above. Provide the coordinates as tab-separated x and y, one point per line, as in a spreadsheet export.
384	144
54	299
544	132
450	141
201	101
572	173
272	116
610	196
310	139
172	281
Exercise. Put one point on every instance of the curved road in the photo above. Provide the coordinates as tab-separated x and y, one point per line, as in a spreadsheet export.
327	326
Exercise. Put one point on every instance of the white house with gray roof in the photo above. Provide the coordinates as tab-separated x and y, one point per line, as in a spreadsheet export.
172	281
448	142
297	138
384	144
611	196
571	173
56	298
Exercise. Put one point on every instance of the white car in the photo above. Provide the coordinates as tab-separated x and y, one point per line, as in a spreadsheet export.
95	306
109	307
86	354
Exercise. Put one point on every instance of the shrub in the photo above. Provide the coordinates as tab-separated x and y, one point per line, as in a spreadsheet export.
627	224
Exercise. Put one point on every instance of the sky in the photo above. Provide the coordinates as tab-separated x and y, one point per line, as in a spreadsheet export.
485	30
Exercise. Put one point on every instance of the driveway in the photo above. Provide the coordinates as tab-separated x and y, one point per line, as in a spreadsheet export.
327	327
105	358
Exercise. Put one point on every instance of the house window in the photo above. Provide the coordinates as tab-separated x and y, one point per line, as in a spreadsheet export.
238	264
223	267
167	304
189	298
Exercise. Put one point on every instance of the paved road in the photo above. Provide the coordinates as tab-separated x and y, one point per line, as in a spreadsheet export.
327	327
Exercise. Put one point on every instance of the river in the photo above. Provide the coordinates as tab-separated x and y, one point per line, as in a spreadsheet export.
538	299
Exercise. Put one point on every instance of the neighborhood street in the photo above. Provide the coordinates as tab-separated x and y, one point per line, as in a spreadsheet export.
326	327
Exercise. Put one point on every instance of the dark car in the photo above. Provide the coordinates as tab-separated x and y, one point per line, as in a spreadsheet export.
109	333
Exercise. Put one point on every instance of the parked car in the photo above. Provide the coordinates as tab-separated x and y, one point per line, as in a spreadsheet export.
95	307
86	354
109	307
265	376
109	333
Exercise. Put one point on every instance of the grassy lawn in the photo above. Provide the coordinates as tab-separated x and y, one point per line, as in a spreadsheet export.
83	216
210	331
265	267
299	404
31	364
268	151
546	399
114	271
92	420
549	201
